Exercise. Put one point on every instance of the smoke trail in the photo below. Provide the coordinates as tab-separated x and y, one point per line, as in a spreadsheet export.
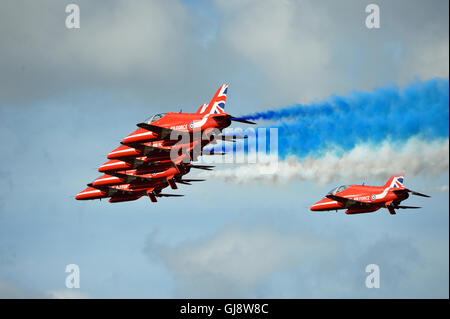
342	122
362	135
414	157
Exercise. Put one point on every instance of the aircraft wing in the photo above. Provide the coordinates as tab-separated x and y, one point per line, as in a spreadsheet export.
136	163
133	161
189	181
146	148
131	178
204	167
162	132
169	195
111	190
347	201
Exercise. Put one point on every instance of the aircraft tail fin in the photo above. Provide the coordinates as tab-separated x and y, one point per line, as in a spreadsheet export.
202	108
217	104
395	181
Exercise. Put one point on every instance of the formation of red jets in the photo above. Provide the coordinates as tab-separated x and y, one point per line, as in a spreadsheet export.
159	153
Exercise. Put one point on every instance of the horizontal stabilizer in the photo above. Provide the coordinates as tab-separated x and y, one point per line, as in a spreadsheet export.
418	194
235	119
215	153
183	182
227	117
169	195
230	138
410	191
204	167
407	207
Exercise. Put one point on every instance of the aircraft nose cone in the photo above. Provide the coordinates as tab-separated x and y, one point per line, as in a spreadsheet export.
82	195
140	135
122	151
317	206
112	165
90	193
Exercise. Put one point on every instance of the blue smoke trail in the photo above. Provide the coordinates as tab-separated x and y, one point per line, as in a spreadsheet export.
341	122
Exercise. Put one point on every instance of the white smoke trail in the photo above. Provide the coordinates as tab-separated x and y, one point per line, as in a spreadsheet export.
415	157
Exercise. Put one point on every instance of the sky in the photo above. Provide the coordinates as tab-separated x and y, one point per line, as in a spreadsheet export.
69	96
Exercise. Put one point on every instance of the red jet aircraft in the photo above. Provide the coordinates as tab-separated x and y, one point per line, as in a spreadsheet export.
358	199
159	153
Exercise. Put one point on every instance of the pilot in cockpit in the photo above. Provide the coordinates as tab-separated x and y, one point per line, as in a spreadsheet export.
154	118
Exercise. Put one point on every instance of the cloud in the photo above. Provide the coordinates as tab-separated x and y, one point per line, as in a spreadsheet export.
399	257
408	262
8	290
68	294
364	161
234	261
12	290
139	44
264	261
272	52
300	56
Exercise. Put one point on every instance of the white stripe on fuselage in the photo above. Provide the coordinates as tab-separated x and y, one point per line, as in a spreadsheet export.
382	194
111	164
90	192
107	178
122	151
140	134
332	202
200	123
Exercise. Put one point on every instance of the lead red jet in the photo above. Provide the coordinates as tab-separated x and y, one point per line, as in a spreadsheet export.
158	154
357	199
173	137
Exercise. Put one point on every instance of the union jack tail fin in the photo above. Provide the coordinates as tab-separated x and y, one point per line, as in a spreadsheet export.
395	181
217	103
202	109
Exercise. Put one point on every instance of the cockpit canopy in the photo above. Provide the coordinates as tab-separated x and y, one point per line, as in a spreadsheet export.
337	190
155	117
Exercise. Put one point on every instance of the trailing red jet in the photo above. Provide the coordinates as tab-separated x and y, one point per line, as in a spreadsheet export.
159	153
358	199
